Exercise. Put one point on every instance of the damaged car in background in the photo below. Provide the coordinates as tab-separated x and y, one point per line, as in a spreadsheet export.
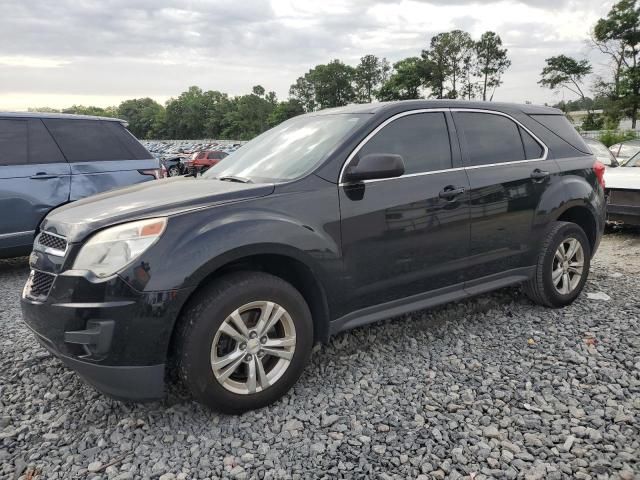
623	192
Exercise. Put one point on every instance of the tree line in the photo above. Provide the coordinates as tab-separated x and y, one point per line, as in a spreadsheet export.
617	91
453	66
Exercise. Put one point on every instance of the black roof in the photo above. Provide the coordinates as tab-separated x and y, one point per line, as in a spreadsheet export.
416	104
67	116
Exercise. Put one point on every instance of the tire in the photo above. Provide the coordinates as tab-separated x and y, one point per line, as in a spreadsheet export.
173	171
200	326
551	291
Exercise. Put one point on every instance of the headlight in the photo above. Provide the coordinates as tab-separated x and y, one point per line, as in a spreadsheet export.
112	249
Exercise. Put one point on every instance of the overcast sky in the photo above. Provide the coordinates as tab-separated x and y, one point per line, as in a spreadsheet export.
101	52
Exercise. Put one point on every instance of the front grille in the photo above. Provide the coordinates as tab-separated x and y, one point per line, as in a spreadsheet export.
53	242
40	284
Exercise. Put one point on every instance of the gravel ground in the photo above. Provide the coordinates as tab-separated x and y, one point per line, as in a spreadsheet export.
493	387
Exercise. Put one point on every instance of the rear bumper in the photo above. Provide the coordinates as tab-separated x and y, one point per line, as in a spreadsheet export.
114	337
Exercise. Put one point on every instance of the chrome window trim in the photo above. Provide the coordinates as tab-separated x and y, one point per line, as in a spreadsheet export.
443	110
53	251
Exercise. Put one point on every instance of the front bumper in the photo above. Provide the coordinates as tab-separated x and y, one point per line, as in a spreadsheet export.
115	337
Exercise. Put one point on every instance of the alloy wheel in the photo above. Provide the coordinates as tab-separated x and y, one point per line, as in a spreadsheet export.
567	266
253	347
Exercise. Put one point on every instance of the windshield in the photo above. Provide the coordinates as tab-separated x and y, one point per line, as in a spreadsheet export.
632	162
289	150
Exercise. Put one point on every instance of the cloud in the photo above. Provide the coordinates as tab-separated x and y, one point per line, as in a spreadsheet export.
159	47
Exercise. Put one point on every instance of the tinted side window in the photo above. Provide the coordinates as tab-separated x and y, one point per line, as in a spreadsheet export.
532	148
136	149
560	126
490	138
421	139
42	148
87	140
13	142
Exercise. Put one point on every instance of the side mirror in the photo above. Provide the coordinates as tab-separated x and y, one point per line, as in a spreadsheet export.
375	166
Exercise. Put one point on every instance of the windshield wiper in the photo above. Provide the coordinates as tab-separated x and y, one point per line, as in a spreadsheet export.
231	178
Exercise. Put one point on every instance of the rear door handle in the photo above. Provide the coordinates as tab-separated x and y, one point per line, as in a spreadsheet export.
42	176
450	192
538	175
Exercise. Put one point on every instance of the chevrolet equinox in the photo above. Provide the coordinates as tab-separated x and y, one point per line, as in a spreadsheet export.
329	221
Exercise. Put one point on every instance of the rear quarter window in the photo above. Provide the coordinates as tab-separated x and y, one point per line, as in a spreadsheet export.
95	140
562	128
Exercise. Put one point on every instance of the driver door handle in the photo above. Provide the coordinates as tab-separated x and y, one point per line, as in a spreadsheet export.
450	192
42	176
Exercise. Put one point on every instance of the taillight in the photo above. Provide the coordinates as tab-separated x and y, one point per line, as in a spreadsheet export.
599	169
155	173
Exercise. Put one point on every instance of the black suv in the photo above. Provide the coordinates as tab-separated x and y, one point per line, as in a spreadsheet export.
329	221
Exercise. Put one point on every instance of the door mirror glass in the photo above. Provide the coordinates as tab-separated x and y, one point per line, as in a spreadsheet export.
375	166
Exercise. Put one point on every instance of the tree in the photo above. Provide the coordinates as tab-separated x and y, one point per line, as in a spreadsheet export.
325	86
141	113
284	111
258	90
333	84
492	62
406	81
91	110
247	117
565	72
303	91
369	75
618	35
450	56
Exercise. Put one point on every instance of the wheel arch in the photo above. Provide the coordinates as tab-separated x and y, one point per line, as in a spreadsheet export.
280	261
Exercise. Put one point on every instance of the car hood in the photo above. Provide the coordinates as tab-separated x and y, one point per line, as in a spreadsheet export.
155	198
622	177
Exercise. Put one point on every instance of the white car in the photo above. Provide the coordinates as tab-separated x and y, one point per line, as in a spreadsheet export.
623	192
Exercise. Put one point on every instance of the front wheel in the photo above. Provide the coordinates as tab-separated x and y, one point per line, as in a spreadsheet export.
244	341
174	171
562	267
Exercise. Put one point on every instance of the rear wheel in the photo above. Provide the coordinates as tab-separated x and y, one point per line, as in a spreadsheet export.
244	341
562	267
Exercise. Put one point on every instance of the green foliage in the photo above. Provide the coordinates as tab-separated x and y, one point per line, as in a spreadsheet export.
325	86
285	111
565	72
406	81
618	36
492	61
611	137
593	122
89	110
142	115
369	75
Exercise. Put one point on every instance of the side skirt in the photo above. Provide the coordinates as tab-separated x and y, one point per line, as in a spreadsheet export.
431	299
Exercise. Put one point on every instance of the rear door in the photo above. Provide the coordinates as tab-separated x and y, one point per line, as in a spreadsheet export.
406	236
508	172
34	179
103	155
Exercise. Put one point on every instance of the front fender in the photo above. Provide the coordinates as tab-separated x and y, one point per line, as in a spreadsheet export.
196	244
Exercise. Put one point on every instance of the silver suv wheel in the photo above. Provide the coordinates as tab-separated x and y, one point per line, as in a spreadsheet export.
567	266
253	347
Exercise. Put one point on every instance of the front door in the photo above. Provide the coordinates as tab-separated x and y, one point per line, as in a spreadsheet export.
407	235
